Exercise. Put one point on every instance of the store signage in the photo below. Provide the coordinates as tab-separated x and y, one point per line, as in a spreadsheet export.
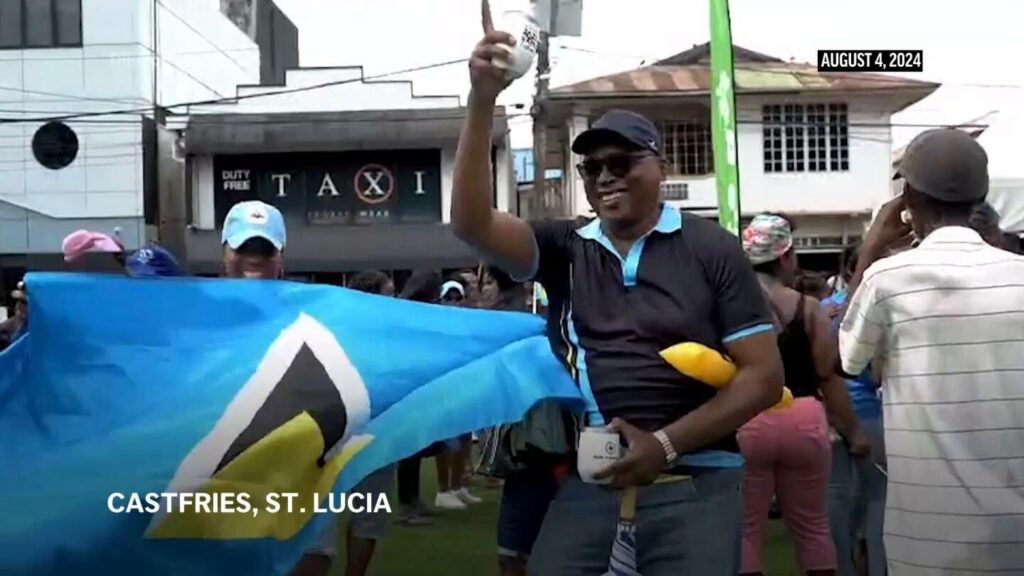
340	188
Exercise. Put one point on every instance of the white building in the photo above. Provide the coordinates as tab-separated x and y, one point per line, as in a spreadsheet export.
361	168
79	82
814	146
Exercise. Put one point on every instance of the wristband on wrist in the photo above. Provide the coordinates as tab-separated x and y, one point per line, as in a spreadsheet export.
666	445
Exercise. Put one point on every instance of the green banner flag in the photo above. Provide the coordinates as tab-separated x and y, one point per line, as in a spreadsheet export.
723	118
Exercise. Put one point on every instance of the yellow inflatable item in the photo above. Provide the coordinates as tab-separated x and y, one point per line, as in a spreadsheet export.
710	367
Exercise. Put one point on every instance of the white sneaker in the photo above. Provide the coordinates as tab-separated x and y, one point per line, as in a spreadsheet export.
464	495
449	501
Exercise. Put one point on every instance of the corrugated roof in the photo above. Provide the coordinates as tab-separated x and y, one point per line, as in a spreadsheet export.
701	54
750	77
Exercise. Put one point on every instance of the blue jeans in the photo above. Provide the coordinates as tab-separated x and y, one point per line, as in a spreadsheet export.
525	499
857	502
692	526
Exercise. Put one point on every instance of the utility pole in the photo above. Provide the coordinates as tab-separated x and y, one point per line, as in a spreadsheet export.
539	110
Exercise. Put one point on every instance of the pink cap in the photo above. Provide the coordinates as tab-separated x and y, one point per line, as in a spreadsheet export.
81	241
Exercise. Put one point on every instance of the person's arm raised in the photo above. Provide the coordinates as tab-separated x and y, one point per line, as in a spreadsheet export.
502	238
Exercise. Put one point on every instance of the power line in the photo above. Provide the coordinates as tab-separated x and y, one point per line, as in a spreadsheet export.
75	165
129	56
363	79
134	130
861	124
93	121
234	99
190	75
67	96
86	157
200	34
57	146
873	77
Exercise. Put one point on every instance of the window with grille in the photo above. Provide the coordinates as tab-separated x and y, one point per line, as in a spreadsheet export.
40	23
805	137
675	191
688	149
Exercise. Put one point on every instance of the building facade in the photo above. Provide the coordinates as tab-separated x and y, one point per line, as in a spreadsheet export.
814	146
361	169
533	206
86	87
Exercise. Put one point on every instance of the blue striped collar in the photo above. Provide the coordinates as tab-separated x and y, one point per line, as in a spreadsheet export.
671	220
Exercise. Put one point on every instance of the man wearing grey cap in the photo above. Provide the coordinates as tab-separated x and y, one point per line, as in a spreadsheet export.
944	320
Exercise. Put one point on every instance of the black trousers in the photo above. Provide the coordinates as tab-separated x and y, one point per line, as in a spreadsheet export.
409	480
409	474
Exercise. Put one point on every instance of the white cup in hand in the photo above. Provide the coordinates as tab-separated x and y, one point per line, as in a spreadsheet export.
524	28
599	448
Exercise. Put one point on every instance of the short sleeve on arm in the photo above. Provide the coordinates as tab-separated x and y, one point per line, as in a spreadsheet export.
741	309
862	333
553	254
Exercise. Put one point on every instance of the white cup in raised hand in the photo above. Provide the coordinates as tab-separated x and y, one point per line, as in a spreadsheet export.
524	28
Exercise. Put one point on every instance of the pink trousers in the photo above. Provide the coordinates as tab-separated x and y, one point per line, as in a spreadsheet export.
788	454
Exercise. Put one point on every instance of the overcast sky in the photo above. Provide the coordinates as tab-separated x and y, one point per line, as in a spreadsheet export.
973	48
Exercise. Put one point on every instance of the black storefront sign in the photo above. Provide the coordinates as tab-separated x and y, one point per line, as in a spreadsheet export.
335	188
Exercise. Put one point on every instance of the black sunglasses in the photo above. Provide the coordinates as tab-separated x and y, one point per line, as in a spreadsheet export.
618	165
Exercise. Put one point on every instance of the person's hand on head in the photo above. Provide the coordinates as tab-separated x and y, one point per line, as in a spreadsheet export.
644	460
488	80
888	228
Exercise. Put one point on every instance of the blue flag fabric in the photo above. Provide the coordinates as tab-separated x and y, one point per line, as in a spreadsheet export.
171	385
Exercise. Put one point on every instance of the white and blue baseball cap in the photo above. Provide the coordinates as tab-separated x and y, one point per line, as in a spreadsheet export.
254	219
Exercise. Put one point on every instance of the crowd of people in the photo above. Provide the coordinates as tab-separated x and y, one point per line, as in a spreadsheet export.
901	447
254	240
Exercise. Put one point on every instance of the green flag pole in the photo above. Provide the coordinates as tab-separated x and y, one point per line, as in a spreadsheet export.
723	118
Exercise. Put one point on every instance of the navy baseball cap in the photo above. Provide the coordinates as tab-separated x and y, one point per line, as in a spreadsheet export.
619	127
152	261
254	219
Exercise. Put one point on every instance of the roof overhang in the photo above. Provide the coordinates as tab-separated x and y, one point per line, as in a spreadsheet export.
913	93
666	82
561	106
326	131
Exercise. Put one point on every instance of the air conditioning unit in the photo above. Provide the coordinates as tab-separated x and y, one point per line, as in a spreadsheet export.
675	191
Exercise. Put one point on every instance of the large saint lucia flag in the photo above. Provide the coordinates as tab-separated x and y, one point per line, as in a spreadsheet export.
220	387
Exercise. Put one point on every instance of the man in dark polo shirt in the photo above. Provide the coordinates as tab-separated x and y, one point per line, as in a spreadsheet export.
640	278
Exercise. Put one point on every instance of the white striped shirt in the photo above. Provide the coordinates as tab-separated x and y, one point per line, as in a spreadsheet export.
946	320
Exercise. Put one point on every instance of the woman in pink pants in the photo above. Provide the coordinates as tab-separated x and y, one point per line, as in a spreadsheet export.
788	451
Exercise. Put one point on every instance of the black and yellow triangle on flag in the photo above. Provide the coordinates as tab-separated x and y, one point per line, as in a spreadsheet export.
288	430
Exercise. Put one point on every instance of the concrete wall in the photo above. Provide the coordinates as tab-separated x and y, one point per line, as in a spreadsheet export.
201	55
278	39
344	89
858	190
171	221
26	232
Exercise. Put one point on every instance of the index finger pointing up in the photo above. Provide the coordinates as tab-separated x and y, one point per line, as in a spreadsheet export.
485	16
